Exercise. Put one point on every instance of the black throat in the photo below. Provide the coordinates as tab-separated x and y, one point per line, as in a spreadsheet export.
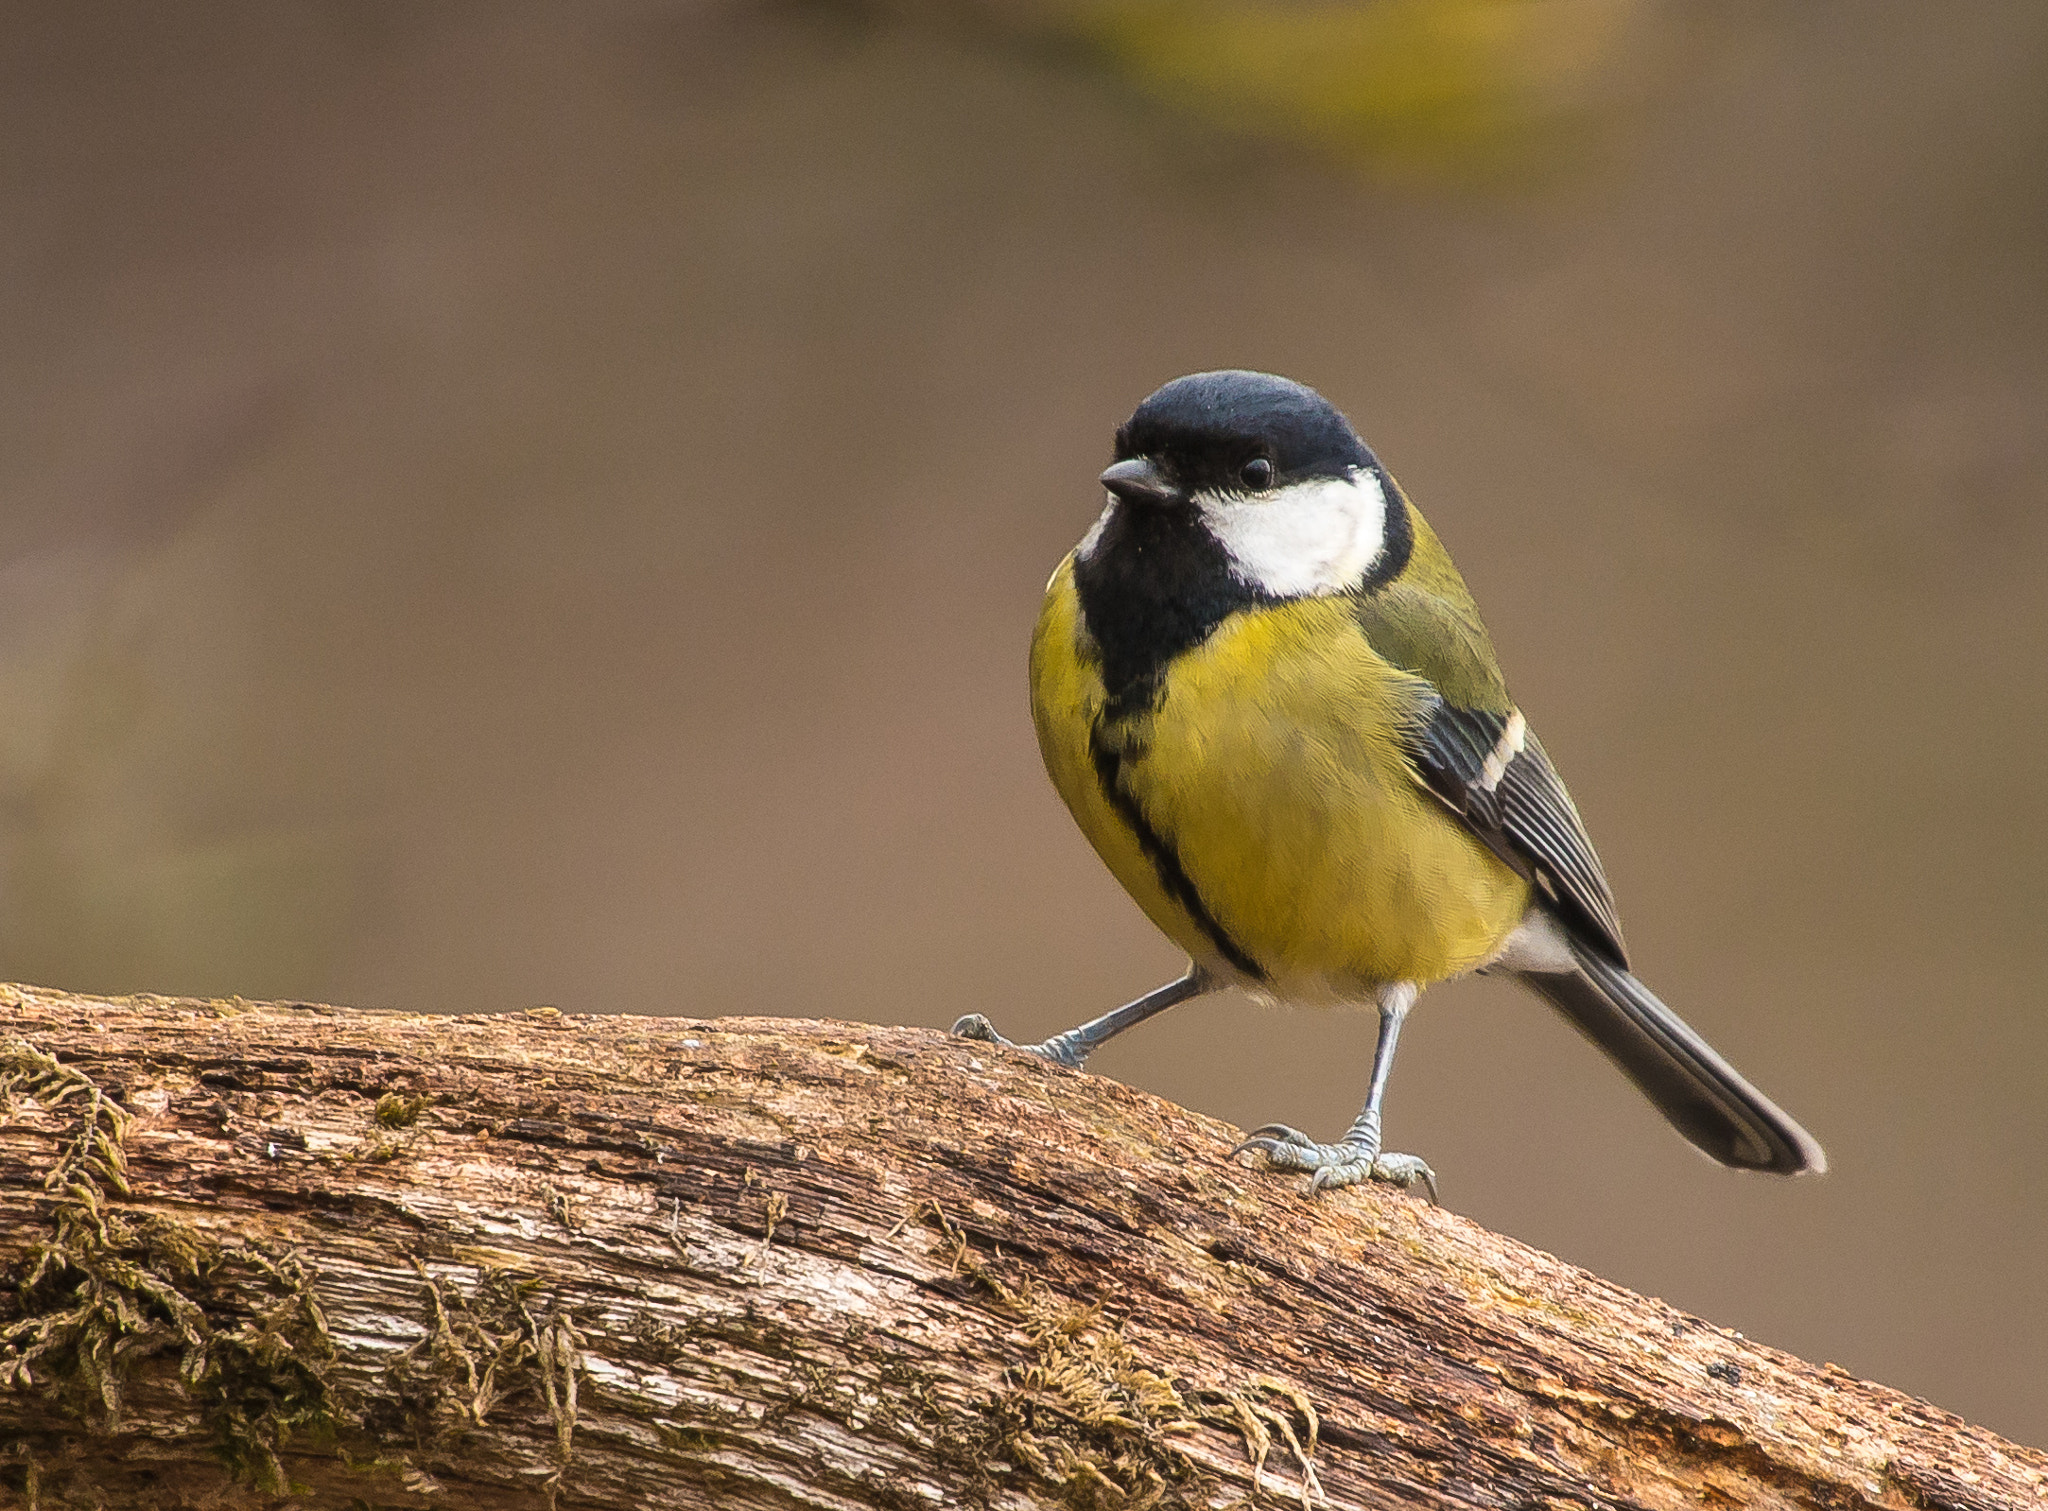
1157	584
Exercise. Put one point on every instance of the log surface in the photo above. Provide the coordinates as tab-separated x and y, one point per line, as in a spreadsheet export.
258	1254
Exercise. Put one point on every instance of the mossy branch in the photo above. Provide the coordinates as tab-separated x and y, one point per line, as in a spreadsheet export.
253	1253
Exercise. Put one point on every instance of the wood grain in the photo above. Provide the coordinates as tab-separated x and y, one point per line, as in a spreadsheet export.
258	1254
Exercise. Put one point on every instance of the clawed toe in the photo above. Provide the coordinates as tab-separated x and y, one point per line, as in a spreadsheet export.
1272	1137
1288	1148
1350	1172
1059	1050
1406	1171
1333	1165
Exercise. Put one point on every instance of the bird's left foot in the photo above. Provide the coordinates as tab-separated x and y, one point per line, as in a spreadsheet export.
975	1026
1340	1164
1059	1049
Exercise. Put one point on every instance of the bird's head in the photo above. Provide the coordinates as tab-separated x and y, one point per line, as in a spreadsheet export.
1265	467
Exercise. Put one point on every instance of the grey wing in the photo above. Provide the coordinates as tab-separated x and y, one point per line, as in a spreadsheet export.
1490	770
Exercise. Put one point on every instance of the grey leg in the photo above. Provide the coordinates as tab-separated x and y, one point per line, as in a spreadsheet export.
1357	1155
1076	1044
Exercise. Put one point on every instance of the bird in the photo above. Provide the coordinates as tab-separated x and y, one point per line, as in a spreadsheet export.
1267	698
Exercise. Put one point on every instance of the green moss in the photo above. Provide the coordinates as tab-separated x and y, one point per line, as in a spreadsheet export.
485	1344
395	1110
268	1375
1088	1416
94	1157
103	1294
1089	1419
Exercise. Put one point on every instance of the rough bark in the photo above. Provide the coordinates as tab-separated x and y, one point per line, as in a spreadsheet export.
257	1252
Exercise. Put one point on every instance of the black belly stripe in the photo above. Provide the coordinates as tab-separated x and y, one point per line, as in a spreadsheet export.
1165	860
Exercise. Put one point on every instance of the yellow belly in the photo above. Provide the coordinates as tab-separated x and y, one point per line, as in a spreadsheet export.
1273	768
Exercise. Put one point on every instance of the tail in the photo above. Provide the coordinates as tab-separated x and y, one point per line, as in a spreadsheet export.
1676	1069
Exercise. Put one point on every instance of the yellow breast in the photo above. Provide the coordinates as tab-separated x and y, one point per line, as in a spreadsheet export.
1272	773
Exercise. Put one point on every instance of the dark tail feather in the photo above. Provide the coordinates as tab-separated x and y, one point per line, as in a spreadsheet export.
1692	1086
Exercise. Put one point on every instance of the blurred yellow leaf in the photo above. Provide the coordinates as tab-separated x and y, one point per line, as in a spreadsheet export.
1409	88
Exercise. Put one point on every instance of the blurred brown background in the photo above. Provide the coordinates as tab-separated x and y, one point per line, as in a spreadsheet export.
512	503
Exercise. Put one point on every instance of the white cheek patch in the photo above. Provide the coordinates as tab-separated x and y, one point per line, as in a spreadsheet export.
1314	537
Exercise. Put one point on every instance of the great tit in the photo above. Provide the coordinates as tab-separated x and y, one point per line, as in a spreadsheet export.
1266	696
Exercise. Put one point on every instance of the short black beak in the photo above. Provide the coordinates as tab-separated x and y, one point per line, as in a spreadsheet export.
1137	481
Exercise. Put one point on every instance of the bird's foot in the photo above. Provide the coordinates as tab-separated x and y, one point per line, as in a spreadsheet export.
1057	1049
1341	1164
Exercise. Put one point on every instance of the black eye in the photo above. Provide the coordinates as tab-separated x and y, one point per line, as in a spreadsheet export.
1257	474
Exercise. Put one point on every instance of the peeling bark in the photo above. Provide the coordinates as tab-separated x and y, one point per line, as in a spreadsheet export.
265	1252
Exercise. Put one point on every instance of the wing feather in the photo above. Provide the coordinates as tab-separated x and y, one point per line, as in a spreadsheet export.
1471	748
1524	814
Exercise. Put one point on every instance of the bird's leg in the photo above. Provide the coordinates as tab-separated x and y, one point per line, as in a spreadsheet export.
1076	1044
1357	1155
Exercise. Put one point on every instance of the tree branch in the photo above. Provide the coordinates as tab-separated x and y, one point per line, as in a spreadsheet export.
365	1259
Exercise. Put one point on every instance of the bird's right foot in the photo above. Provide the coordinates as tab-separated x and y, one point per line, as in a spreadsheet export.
1344	1163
